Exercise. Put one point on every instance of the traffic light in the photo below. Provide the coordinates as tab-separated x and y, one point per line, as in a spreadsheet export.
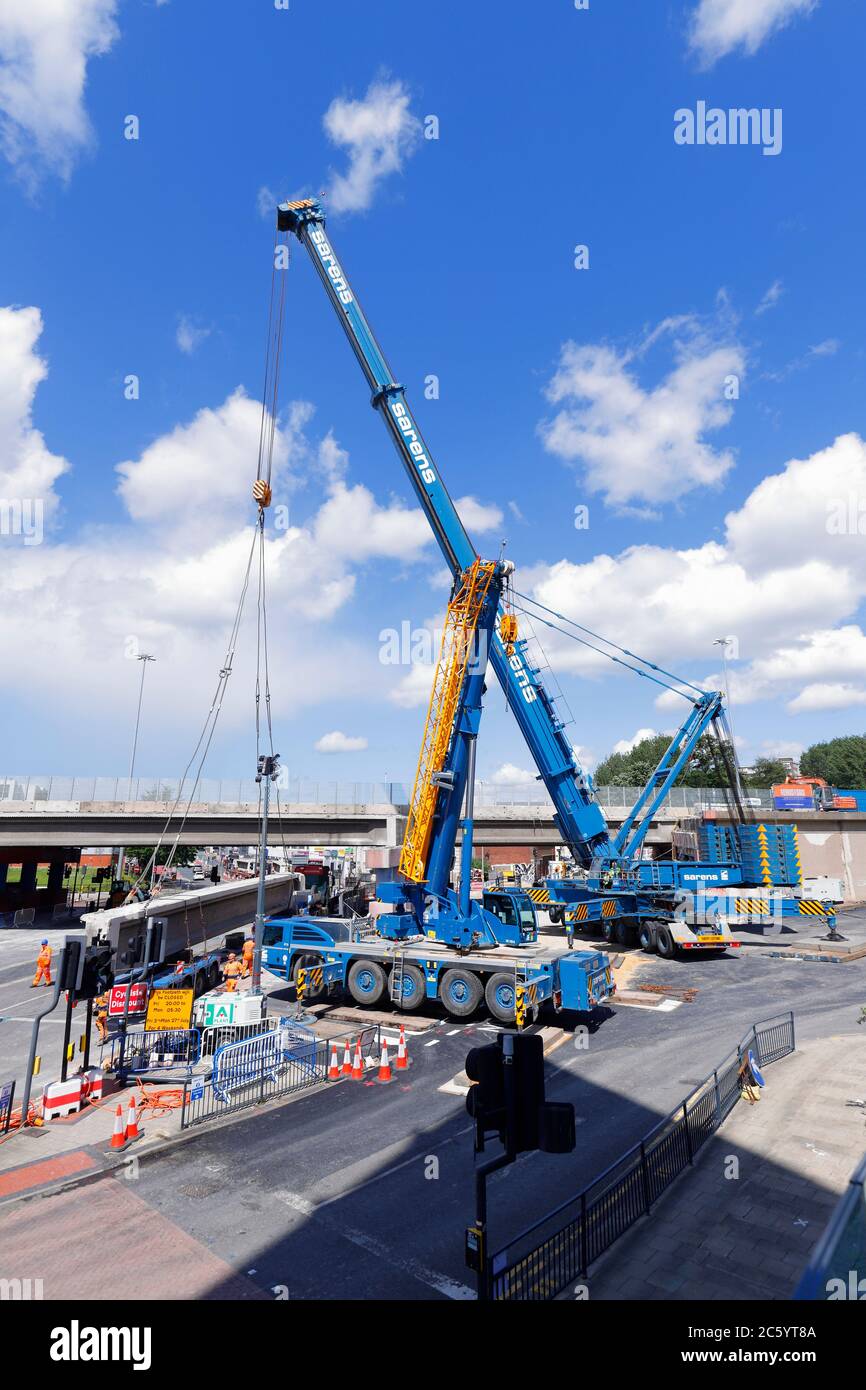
508	1097
486	1099
97	975
71	963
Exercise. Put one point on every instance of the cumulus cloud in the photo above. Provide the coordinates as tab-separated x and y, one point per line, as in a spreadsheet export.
509	775
28	469
378	132
625	745
784	583
45	47
413	689
827	695
165	574
719	27
644	446
337	742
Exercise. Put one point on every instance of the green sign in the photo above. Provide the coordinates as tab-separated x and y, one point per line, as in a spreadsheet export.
217	1011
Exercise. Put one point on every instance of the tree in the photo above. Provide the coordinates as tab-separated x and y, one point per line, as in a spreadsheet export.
840	761
766	773
183	855
704	768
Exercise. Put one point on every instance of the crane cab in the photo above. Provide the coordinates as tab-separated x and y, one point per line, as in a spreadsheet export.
515	909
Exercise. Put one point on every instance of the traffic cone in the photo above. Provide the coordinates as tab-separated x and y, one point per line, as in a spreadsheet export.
384	1065
347	1059
118	1138
402	1055
334	1068
132	1130
358	1068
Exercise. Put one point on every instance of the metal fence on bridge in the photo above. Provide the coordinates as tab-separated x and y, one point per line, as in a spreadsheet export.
549	1255
309	792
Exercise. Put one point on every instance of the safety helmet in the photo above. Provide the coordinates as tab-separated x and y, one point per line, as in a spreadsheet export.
45	941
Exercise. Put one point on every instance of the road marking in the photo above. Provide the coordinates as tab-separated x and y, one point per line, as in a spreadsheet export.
434	1043
453	1031
431	1277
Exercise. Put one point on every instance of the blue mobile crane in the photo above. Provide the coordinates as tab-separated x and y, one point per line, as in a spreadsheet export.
619	888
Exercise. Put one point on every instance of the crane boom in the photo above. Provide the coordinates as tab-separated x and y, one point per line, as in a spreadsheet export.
576	811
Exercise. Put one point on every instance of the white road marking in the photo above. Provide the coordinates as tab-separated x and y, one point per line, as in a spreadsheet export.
432	1278
434	1043
453	1031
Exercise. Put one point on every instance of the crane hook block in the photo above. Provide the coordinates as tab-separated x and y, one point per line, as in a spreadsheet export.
508	632
262	492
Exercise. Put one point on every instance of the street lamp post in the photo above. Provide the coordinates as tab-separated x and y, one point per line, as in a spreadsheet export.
144	658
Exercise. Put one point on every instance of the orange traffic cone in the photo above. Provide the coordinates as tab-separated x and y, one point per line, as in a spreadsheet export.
384	1064
334	1068
132	1130
118	1138
347	1059
358	1068
402	1054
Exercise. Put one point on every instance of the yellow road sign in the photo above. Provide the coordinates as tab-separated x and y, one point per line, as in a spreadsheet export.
169	1008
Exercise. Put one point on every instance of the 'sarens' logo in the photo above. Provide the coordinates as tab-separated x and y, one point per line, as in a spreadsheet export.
332	265
412	442
515	661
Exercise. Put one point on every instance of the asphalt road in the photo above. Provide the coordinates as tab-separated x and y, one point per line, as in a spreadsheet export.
364	1191
19	1004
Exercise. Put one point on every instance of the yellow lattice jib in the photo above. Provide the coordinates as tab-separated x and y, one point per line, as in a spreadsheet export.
458	641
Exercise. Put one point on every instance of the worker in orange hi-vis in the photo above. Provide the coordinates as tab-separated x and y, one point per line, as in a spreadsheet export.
231	970
43	965
249	952
100	1007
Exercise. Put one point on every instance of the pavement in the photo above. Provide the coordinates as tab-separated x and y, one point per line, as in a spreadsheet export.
742	1223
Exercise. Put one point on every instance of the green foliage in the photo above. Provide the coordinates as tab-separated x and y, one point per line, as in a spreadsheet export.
634	769
767	772
183	856
840	761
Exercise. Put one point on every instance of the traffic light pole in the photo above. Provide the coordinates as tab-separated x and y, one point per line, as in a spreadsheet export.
67	1033
267	770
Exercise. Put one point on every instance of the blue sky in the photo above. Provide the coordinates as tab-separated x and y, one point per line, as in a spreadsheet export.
603	387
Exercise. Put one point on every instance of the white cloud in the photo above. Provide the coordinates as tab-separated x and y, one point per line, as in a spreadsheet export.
28	469
644	446
625	745
337	742
771	297
45	46
413	689
478	517
190	335
509	775
827	695
379	132
786	587
720	26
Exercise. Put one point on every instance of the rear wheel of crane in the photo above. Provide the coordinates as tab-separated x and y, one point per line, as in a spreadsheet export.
460	992
414	990
665	943
555	914
213	975
308	963
368	983
648	937
199	984
499	997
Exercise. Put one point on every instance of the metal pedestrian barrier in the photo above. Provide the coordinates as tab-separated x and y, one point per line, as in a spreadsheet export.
145	1050
549	1255
269	1066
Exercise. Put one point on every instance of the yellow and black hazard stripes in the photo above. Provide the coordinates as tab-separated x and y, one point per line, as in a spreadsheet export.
811	908
580	912
609	907
525	997
309	978
754	907
538	895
